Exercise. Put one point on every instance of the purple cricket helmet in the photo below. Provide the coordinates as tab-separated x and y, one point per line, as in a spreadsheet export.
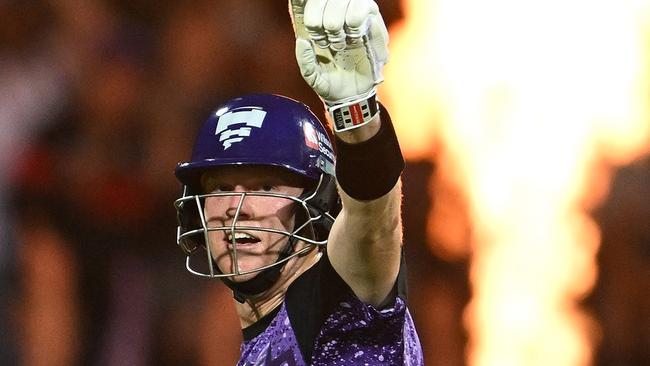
261	129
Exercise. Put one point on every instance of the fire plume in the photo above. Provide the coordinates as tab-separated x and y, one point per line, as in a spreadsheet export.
526	107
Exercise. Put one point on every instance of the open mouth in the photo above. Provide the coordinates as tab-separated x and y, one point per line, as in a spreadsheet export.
242	238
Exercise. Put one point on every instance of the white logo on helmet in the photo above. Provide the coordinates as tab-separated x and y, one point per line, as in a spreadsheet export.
229	126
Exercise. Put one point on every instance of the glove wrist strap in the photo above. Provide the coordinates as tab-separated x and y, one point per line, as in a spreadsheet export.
354	114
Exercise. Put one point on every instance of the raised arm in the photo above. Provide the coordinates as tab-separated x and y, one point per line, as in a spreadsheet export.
341	48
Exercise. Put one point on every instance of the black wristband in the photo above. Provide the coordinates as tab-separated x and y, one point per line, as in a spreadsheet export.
370	169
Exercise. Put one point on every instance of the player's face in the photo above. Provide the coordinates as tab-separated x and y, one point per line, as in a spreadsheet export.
255	248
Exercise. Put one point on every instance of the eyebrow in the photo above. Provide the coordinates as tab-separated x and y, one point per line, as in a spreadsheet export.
270	175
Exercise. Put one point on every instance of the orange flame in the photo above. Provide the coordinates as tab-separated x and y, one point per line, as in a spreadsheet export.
523	103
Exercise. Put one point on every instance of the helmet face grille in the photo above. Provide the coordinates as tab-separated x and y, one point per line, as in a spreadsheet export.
313	219
257	130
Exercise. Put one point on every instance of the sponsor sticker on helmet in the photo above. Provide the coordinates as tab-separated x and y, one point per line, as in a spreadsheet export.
235	125
316	140
311	137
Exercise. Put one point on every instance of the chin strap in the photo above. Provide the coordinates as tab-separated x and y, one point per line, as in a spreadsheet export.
262	281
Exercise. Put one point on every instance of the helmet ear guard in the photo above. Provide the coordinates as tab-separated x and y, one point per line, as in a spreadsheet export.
189	235
324	205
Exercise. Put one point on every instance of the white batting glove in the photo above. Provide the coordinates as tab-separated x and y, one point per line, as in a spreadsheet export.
341	49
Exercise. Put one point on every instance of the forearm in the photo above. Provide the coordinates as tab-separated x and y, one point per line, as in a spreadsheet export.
365	244
375	221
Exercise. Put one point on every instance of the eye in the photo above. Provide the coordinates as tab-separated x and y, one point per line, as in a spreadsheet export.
223	188
268	187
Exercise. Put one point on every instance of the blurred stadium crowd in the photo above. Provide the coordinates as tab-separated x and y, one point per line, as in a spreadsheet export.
99	99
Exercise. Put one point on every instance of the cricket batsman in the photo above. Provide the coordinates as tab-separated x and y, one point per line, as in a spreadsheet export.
307	231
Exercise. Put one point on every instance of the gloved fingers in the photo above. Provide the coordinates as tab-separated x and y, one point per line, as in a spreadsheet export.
357	17
333	23
310	68
314	10
338	23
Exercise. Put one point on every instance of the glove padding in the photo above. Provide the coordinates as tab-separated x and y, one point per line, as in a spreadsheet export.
341	48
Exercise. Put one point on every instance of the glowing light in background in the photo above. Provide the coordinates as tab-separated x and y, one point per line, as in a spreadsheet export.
525	107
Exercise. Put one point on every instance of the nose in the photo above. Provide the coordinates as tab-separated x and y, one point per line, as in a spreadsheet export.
224	208
238	202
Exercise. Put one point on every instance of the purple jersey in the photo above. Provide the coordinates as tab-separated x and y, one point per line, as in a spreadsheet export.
325	324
